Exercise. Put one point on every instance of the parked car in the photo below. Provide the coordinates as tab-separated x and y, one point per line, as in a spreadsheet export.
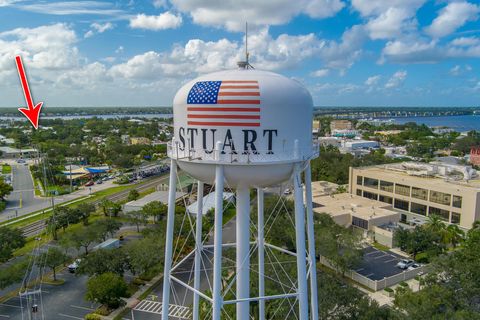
287	191
74	266
414	266
99	182
405	264
89	183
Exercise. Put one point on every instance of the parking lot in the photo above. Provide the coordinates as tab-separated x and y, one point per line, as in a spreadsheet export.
59	302
377	264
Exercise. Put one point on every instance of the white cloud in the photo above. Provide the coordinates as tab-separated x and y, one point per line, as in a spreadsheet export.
232	14
452	17
6	3
412	50
458	70
397	79
455	71
46	47
466	41
120	49
98	28
391	23
321	73
160	3
388	19
373	80
163	21
73	8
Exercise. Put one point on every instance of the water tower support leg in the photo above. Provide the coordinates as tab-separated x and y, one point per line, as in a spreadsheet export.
311	243
261	254
169	237
302	288
198	252
217	245
243	251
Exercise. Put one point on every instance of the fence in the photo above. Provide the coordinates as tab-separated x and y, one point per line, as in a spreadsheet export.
376	285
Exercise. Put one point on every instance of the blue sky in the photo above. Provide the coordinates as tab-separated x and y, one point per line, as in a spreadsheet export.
346	52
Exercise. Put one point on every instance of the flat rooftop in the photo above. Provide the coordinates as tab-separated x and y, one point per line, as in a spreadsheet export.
424	178
346	203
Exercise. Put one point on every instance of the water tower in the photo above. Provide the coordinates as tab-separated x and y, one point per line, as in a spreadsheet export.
245	129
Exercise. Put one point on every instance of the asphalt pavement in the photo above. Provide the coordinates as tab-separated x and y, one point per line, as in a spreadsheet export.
22	198
66	301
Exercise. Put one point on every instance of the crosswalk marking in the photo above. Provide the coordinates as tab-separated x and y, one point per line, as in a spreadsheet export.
179	312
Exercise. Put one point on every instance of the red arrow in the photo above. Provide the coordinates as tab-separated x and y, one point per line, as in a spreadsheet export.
32	112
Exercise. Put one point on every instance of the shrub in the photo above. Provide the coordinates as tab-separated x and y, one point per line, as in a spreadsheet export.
423	258
388	289
92	316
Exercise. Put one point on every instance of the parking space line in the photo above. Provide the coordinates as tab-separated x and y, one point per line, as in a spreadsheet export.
4	316
391	260
80	307
68	316
360	269
369	275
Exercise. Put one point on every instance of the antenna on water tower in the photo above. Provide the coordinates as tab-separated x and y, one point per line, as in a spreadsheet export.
245	64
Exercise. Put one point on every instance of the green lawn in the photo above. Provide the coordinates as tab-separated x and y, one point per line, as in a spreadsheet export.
6	169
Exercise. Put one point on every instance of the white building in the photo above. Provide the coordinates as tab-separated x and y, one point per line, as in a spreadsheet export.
209	203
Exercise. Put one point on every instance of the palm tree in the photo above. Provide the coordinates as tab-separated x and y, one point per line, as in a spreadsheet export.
455	235
434	223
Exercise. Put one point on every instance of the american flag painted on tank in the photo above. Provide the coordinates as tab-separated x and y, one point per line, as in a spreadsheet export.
227	103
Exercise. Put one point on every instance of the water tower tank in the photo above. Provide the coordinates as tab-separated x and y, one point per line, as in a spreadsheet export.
258	123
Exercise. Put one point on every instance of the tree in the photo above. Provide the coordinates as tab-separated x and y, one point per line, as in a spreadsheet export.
455	235
13	273
106	228
85	210
137	218
107	289
110	208
83	238
52	259
133	195
5	189
155	209
143	254
336	243
10	239
451	288
102	261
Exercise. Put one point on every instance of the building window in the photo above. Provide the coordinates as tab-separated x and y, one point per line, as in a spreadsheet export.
440	197
457	201
419	193
442	214
400	204
402	190
361	223
371	183
418	208
386	186
359	180
386	199
455	218
370	195
359	192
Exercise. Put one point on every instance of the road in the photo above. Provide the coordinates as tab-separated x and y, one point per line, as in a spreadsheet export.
22	200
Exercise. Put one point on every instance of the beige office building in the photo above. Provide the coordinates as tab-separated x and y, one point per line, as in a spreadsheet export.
418	190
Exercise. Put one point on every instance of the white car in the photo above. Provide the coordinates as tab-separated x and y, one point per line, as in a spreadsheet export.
414	266
74	266
405	264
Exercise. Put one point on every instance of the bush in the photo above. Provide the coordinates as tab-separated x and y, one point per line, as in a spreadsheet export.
3	205
388	289
92	316
403	284
423	258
